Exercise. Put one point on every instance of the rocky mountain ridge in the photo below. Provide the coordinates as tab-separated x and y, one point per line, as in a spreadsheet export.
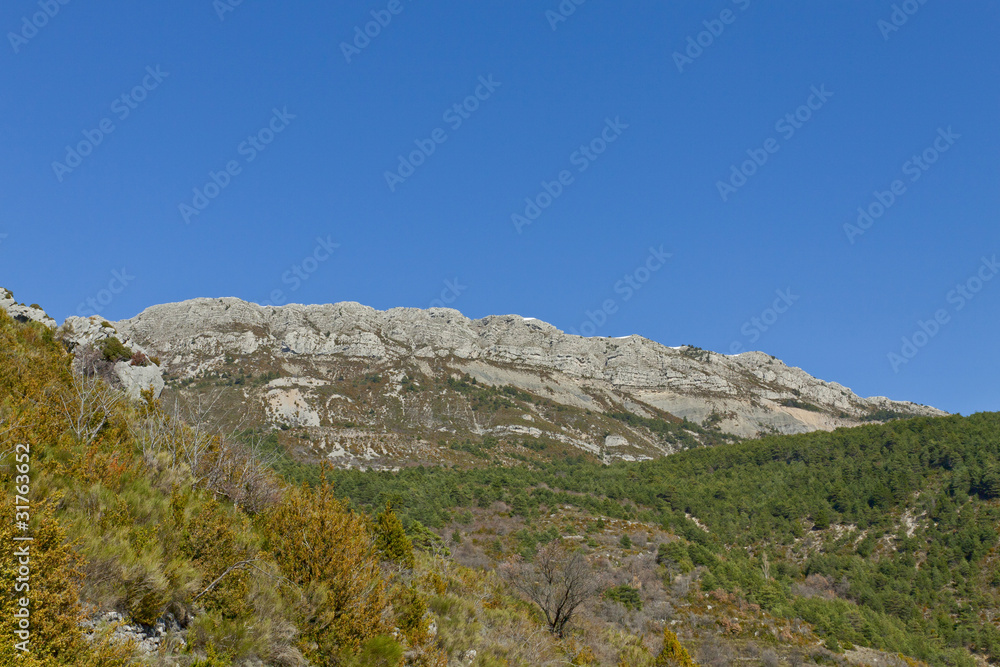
361	381
370	388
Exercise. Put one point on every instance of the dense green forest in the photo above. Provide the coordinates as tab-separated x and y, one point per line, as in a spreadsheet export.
902	518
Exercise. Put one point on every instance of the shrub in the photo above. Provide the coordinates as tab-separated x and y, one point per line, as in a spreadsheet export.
674	554
139	359
327	551
55	608
821	520
380	651
425	539
673	654
626	596
411	608
114	350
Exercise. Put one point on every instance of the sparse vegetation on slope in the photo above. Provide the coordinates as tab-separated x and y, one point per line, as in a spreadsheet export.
881	536
170	523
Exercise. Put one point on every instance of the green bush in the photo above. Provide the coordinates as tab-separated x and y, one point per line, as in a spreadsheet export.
626	596
674	554
391	540
114	350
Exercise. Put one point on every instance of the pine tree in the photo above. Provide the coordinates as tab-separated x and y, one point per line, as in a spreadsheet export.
327	552
391	540
673	654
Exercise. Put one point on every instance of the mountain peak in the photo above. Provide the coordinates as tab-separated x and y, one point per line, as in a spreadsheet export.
328	350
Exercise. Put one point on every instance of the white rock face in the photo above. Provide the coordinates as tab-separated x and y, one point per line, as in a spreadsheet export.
746	394
615	441
137	379
291	406
78	331
24	313
82	331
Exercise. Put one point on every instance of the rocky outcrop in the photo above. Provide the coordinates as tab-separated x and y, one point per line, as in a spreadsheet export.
137	379
744	394
82	332
23	313
366	387
147	640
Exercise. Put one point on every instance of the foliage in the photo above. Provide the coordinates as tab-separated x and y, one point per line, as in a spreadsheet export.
921	594
674	554
328	553
680	432
149	514
673	654
114	350
624	595
390	539
51	590
139	359
380	651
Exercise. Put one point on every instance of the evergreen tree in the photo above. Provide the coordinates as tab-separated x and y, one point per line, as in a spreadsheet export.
673	654
391	540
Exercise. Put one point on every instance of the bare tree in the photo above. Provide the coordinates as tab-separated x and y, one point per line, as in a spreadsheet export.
558	581
90	362
6	428
154	434
235	465
241	471
87	403
714	653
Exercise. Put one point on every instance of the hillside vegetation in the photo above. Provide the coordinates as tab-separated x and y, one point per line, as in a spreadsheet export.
786	550
882	536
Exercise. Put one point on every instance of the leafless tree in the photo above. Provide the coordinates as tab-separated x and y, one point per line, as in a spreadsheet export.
87	403
714	653
558	581
195	442
5	428
236	464
90	362
154	434
241	471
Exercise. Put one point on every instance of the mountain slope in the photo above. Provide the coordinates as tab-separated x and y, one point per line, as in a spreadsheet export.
370	387
883	536
864	546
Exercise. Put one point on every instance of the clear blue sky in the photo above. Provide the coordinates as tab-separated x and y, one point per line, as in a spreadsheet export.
889	95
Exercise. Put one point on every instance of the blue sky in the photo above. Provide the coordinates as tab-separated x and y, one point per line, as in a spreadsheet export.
249	147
